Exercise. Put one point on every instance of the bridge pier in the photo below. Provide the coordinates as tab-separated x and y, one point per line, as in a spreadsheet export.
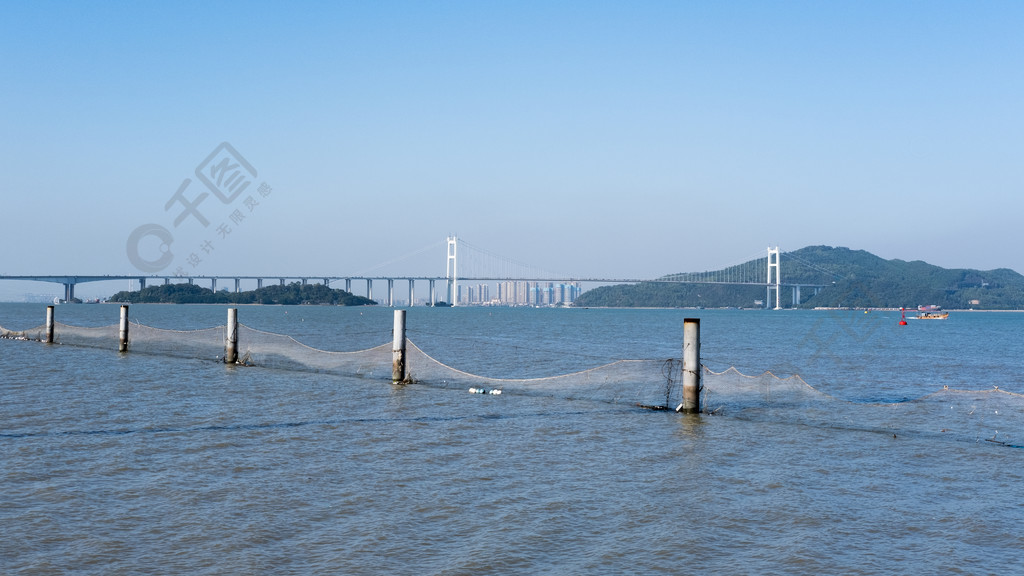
259	283
348	285
213	284
69	291
369	288
391	292
142	283
238	285
412	292
775	265
282	281
433	294
451	271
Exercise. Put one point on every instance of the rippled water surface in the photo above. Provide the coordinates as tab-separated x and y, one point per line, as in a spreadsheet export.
134	463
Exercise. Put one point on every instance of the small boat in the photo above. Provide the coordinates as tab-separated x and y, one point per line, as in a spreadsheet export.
931	312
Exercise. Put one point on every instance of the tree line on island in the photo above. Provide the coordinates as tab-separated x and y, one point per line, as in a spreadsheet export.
848	279
290	294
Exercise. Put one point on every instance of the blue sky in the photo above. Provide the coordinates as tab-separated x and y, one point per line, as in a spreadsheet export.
586	138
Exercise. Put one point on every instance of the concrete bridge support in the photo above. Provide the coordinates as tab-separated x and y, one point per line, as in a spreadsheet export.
451	271
775	276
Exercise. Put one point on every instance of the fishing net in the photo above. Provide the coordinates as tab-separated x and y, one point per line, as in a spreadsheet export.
258	348
37	333
992	416
206	343
92	337
649	383
989	416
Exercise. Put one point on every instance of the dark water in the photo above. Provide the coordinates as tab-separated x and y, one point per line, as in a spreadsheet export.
129	464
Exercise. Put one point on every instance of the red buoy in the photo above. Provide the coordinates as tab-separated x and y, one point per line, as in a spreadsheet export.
903	317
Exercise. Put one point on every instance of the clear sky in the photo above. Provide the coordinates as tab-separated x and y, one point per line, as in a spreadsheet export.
607	139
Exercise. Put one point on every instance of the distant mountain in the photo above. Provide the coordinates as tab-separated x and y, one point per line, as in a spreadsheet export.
849	278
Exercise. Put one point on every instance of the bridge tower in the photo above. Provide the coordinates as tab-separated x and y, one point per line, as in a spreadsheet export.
774	277
451	271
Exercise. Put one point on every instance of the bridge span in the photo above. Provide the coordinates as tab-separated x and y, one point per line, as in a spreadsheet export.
512	288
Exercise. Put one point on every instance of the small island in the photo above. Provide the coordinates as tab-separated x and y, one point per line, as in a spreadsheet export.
289	294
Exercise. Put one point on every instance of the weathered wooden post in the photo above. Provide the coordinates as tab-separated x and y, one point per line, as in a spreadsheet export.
122	333
231	337
49	324
691	367
398	348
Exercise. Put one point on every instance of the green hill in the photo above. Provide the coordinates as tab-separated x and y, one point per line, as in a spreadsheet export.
849	278
294	293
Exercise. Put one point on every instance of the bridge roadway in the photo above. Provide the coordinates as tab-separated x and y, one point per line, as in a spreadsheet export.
69	282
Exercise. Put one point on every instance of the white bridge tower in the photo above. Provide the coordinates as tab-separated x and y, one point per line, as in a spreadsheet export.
774	277
451	271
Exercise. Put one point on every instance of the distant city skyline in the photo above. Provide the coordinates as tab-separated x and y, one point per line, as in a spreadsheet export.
588	139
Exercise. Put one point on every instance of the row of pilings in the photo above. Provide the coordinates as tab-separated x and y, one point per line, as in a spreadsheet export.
122	329
399	368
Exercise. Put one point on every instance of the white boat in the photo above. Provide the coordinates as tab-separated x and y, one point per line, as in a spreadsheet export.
931	312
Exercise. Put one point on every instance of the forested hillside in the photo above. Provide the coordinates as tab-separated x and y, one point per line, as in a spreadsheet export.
849	278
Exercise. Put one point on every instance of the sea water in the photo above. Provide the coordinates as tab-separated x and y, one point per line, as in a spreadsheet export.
135	464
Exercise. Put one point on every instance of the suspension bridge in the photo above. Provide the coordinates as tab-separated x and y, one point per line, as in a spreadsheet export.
470	275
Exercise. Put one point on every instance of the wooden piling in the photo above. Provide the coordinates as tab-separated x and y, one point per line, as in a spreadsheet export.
398	349
122	333
691	367
231	337
49	324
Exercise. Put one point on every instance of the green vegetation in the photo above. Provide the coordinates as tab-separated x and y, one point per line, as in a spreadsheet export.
850	279
294	293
